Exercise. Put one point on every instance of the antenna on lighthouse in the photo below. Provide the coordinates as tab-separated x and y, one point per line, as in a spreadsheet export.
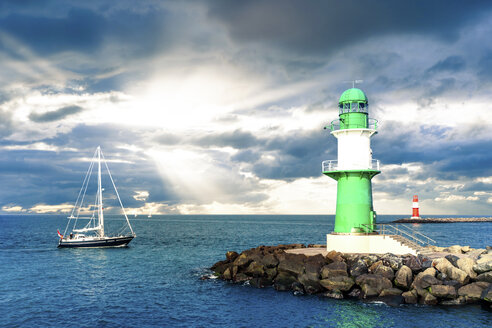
354	82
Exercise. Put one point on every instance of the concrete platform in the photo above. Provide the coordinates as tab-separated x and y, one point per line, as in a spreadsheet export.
311	251
370	244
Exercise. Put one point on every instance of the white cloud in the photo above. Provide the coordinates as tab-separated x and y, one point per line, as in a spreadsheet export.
14	209
141	195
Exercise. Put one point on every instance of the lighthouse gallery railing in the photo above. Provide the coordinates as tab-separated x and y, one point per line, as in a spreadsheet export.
371	124
332	165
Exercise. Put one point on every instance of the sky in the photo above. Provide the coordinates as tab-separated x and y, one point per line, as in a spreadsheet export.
218	107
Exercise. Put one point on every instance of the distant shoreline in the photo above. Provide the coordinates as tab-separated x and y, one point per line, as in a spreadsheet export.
444	220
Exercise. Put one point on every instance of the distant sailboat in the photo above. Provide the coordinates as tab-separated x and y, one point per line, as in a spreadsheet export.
150	214
96	236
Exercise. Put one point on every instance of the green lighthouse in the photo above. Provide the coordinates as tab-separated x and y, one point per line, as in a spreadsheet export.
355	167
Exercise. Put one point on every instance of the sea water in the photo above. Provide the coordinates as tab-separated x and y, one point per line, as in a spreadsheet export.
156	280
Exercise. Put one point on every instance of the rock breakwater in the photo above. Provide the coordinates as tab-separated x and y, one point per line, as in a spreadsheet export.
454	279
443	220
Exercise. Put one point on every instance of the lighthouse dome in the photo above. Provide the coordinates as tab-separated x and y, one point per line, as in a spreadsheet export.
353	95
353	100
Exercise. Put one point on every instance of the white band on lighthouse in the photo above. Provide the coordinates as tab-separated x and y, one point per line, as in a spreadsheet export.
415	205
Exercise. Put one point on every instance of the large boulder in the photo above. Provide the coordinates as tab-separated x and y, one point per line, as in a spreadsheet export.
413	262
476	253
385	271
340	283
358	268
334	269
443	291
472	292
291	263
425	279
310	282
390	291
370	259
269	261
283	281
393	261
374	266
430	299
487	294
453	259
466	264
313	264
260	282
220	267
334	256
243	260
271	273
227	275
403	277
241	277
485	257
410	297
456	249
372	284
255	269
231	256
452	272
482	266
486	276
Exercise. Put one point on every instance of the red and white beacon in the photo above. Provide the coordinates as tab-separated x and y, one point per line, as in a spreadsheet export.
415	207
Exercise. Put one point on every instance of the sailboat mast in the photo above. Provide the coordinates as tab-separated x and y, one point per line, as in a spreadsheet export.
99	190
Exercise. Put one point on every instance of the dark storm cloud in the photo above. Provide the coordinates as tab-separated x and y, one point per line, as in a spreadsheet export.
320	26
442	157
485	67
297	155
84	30
246	156
87	137
450	64
55	115
478	186
80	30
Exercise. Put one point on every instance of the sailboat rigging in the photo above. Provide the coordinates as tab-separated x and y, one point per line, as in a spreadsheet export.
93	234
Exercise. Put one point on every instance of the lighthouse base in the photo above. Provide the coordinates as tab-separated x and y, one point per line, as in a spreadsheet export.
367	244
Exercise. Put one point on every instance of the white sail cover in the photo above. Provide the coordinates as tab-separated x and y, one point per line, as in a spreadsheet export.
87	229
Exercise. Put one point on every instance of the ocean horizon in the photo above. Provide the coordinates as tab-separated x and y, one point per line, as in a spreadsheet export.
156	280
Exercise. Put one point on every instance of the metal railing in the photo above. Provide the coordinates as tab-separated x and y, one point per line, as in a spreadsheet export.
401	230
371	124
332	165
